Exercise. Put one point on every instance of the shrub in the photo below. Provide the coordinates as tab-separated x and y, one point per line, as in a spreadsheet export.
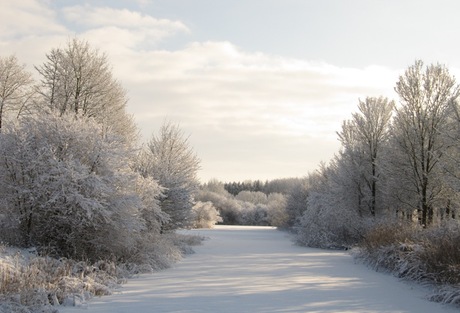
31	283
430	256
205	215
441	252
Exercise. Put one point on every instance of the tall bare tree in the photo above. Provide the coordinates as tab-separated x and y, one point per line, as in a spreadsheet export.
372	130
362	140
15	87
426	93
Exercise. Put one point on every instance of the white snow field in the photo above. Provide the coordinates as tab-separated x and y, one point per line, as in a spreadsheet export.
259	269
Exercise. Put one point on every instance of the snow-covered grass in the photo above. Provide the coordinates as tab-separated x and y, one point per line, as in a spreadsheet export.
428	256
32	283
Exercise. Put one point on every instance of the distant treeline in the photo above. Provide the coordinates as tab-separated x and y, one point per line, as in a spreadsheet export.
281	185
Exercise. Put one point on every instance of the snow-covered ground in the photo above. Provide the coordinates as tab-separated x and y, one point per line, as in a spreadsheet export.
258	269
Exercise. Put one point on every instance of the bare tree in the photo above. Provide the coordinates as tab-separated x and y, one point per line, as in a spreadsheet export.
426	93
372	130
78	79
15	87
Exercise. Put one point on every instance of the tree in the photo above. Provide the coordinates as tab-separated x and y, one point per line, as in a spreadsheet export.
65	186
205	215
352	163
296	203
330	219
78	79
15	87
171	161
254	197
229	209
425	96
371	127
450	162
277	214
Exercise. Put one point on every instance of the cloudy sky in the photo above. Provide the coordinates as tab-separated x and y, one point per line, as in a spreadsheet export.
261	86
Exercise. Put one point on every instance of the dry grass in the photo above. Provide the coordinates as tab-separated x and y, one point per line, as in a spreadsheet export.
47	281
430	256
441	253
30	283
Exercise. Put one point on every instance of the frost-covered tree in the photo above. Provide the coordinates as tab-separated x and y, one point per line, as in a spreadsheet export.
352	162
330	218
78	79
296	203
372	126
450	163
254	197
205	215
247	207
171	161
225	203
68	185
426	93
282	185
16	88
363	139
277	214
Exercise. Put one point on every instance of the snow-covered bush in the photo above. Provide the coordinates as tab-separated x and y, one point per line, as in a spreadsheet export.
31	283
253	214
330	219
170	160
391	245
67	185
155	252
205	215
229	209
277	213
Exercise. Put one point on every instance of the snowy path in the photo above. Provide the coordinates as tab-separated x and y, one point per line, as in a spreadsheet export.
253	269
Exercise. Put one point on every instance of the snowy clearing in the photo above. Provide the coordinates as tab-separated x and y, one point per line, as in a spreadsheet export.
258	269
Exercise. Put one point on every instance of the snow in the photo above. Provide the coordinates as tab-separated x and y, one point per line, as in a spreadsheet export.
259	269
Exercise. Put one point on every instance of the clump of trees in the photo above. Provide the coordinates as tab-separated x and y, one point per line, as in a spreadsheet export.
256	203
393	186
396	161
205	215
75	181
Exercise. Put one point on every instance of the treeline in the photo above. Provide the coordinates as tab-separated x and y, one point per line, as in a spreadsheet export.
397	161
249	206
393	188
75	180
281	185
255	203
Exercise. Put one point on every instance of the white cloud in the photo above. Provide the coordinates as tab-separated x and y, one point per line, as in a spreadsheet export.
250	114
27	18
108	24
248	110
225	85
105	16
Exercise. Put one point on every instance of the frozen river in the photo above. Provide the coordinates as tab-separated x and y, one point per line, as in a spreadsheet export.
258	269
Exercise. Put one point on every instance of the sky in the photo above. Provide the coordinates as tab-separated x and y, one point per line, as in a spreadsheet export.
260	86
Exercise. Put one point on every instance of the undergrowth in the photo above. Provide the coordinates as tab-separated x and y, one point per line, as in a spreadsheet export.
429	256
33	283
